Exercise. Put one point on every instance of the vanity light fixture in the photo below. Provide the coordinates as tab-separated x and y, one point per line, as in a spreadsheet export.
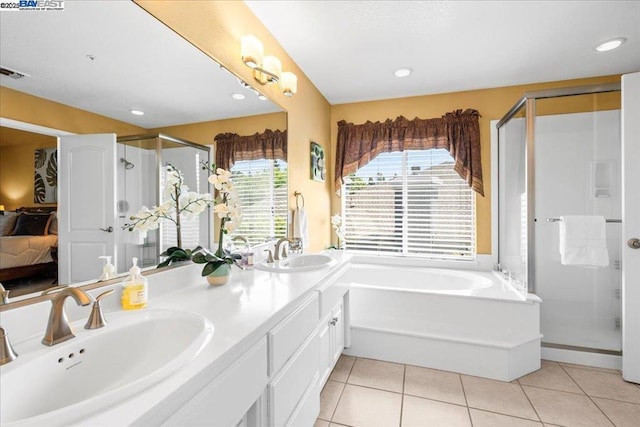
266	69
611	44
403	72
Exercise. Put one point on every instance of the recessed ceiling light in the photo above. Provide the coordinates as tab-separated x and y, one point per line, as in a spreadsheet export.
611	44
262	97
403	72
238	96
137	112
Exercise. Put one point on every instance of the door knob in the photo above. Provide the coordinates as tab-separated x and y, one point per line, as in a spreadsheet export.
109	229
633	243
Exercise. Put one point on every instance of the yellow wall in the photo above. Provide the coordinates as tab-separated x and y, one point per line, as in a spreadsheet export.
203	133
16	152
31	109
16	166
215	27
492	105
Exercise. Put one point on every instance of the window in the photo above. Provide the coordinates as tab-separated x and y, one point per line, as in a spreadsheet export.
410	203
262	189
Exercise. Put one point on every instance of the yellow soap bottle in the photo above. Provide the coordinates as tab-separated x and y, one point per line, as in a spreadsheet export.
134	289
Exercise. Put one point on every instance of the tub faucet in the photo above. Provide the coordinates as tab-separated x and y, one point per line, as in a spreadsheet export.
58	329
277	254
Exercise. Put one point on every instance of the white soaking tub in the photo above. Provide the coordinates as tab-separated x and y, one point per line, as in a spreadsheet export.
469	322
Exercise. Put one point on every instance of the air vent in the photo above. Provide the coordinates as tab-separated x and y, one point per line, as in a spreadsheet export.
12	73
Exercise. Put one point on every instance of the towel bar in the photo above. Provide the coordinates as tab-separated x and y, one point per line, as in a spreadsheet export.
606	220
298	194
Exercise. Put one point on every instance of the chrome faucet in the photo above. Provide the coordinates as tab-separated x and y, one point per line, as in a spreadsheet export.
58	329
277	255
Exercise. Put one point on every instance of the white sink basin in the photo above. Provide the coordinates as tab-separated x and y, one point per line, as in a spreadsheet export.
298	263
57	385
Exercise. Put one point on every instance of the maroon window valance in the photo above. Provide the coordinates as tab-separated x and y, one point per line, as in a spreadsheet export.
231	147
458	132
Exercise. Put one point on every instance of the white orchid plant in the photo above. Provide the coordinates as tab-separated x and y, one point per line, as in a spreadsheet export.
181	204
338	227
227	208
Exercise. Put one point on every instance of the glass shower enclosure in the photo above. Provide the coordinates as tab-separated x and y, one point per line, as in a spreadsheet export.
559	153
140	178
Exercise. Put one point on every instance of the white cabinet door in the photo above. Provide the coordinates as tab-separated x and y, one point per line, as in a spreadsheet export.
337	330
225	400
87	205
326	348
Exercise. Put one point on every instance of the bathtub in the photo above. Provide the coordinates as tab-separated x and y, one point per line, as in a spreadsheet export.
470	322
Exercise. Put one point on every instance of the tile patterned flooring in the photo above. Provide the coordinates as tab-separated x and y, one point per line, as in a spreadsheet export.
371	393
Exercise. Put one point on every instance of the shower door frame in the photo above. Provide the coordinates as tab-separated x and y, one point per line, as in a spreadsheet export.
529	102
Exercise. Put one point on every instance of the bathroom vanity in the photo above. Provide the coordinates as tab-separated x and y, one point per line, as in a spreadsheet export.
274	339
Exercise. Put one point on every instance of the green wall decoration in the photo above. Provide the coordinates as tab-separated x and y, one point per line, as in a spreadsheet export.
45	180
317	162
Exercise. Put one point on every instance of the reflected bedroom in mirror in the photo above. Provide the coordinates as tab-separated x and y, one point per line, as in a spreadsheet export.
87	132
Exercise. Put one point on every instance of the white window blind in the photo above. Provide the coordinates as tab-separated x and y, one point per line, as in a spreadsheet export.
410	203
262	189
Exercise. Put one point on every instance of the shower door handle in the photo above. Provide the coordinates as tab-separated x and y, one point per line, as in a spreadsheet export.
633	243
109	229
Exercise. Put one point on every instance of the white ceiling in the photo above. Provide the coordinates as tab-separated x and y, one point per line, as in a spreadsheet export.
350	49
139	63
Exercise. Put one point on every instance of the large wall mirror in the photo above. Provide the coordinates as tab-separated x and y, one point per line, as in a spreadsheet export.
104	60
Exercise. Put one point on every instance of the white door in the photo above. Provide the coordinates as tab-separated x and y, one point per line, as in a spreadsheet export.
631	227
87	205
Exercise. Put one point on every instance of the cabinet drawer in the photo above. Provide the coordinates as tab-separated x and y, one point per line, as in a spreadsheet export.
225	400
330	295
286	337
288	388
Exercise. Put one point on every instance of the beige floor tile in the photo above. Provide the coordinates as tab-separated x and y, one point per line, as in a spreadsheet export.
417	412
342	369
497	396
552	376
377	374
589	368
329	399
567	409
490	419
366	407
337	425
606	385
621	413
433	384
321	423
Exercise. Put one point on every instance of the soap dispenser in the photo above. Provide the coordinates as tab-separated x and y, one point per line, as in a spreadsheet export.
134	289
108	271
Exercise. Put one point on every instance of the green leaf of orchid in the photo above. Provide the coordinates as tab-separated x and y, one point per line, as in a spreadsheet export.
210	268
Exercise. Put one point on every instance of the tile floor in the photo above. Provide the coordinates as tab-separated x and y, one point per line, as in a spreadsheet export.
370	393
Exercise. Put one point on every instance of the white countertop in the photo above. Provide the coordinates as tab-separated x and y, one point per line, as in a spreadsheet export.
241	311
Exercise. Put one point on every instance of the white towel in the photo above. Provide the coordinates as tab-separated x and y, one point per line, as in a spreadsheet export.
300	227
583	241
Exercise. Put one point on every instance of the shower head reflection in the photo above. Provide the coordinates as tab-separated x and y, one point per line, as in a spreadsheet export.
127	164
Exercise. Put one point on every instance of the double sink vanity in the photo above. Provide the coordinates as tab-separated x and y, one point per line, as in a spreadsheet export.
254	352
